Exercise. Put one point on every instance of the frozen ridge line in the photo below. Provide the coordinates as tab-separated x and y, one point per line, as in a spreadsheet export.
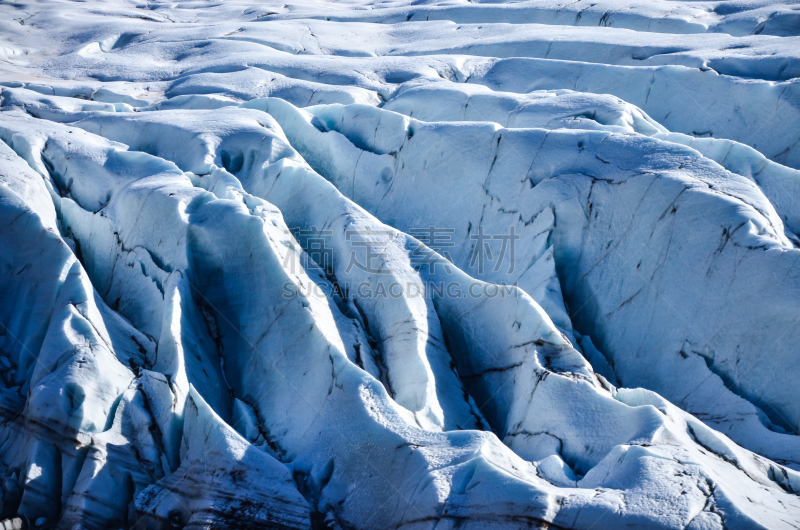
400	265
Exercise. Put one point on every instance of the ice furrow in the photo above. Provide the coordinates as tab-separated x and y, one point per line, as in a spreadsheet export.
568	184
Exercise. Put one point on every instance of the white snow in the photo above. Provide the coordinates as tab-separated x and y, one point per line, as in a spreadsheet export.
400	264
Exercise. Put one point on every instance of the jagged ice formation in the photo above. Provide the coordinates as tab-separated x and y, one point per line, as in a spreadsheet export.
378	265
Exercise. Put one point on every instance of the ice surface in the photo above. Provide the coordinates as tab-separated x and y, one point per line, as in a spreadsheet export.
252	273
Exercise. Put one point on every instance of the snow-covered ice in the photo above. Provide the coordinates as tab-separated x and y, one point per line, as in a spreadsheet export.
377	265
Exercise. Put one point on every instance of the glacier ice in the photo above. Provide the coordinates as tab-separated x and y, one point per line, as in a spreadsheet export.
245	280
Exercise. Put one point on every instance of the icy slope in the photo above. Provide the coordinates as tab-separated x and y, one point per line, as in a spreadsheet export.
400	265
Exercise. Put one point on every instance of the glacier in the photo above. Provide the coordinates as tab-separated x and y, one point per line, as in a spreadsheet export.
400	264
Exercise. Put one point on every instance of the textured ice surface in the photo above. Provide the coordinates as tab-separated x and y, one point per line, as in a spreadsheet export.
400	265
